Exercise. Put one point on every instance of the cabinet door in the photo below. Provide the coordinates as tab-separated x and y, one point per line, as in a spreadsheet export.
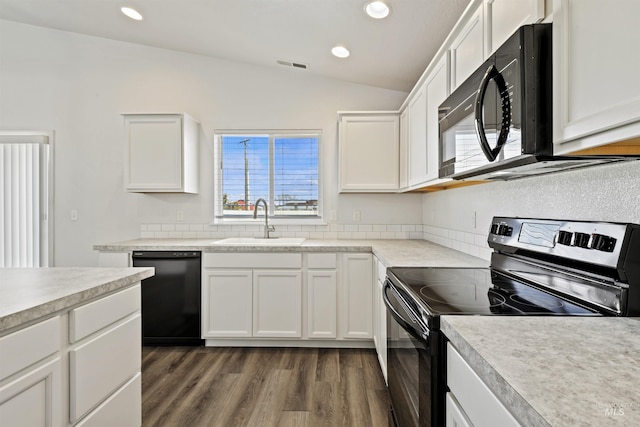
404	149
467	49
454	415
34	398
161	153
418	136
595	66
382	329
356	302
503	17
369	151
227	303
277	303
321	304
437	92
154	152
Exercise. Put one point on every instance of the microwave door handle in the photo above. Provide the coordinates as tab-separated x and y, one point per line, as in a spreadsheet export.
492	74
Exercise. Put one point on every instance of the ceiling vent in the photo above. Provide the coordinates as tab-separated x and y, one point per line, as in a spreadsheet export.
293	64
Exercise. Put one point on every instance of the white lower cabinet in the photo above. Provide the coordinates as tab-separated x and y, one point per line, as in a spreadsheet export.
255	301
471	402
455	417
380	315
97	370
81	367
105	339
356	297
277	304
30	370
227	298
321	303
123	408
290	296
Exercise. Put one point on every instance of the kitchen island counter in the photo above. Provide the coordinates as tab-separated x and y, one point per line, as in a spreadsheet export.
555	371
29	294
392	253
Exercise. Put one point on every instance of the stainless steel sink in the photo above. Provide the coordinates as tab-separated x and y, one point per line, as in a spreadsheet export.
255	241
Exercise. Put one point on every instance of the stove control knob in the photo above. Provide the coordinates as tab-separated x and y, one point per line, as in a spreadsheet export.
581	240
494	228
505	230
564	237
603	243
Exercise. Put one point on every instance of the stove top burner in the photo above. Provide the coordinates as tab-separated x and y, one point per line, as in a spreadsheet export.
444	290
537	300
462	295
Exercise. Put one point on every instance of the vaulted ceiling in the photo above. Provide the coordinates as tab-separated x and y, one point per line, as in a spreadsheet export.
389	53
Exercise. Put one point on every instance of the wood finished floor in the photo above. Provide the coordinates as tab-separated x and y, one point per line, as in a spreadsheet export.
215	386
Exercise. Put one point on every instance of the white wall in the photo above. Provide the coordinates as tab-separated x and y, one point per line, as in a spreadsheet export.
78	86
601	193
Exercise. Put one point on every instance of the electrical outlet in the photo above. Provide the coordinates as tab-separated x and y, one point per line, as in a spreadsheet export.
356	216
74	215
180	216
474	219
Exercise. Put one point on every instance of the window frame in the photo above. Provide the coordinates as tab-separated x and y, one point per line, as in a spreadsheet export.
272	134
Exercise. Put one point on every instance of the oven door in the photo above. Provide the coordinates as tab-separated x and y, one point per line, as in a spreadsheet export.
414	375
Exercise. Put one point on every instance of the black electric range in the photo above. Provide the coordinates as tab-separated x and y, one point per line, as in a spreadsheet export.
538	267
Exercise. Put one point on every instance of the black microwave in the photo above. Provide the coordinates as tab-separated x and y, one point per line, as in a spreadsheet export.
502	114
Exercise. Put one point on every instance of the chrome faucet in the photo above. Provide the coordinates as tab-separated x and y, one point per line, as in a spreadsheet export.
267	227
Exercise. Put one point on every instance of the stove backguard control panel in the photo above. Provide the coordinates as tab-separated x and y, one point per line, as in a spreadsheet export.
599	243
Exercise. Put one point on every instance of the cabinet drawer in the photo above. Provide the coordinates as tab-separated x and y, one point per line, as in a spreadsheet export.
252	260
90	318
321	261
476	399
122	409
102	365
27	346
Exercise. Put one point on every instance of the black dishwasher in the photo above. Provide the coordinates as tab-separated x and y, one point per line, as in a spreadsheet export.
171	298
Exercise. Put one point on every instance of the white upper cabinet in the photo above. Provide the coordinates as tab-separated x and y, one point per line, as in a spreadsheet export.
467	49
417	112
422	123
503	17
404	149
369	152
595	66
437	92
161	153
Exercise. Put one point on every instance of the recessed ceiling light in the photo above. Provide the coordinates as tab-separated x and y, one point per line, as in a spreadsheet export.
340	51
377	9
132	13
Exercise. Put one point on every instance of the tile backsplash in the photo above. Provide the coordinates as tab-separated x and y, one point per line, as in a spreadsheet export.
470	243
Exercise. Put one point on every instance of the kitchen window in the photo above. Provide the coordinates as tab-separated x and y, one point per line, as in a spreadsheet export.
278	166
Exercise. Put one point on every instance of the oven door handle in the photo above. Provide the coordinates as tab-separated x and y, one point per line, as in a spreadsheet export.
422	335
493	74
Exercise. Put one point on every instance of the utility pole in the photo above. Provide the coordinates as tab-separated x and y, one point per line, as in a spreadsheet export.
246	174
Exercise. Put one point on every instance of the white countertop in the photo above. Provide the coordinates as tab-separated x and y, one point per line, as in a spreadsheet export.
392	253
27	294
556	371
